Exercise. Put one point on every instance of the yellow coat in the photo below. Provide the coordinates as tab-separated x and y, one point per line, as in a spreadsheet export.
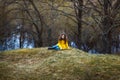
62	44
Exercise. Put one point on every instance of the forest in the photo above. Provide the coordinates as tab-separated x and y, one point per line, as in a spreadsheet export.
92	25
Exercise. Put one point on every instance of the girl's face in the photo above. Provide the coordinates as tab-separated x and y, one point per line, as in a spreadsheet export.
63	36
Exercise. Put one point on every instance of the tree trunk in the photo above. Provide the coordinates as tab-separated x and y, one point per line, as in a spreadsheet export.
78	9
39	28
107	24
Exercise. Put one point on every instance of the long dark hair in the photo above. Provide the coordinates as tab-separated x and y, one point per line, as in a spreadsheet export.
65	37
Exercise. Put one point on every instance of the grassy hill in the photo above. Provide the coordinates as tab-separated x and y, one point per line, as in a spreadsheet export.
43	64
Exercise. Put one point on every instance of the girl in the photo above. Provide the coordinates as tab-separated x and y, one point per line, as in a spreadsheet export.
62	43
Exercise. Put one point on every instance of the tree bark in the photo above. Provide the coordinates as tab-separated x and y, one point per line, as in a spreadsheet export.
107	23
78	9
39	28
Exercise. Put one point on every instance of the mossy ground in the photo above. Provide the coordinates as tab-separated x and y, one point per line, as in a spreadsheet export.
43	64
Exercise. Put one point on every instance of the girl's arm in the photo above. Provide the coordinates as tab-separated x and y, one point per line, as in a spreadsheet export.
67	46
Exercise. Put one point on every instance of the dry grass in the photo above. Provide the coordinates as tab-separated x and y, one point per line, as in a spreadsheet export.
43	64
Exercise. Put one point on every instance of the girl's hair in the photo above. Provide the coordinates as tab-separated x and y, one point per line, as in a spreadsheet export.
65	37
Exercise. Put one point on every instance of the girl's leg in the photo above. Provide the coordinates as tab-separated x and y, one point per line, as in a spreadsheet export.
55	47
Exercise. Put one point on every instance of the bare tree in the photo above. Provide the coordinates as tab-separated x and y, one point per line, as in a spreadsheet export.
78	7
108	11
38	26
5	26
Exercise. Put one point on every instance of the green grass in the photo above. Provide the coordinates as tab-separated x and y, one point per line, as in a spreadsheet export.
43	64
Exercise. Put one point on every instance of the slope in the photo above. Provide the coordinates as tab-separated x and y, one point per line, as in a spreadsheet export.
43	64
